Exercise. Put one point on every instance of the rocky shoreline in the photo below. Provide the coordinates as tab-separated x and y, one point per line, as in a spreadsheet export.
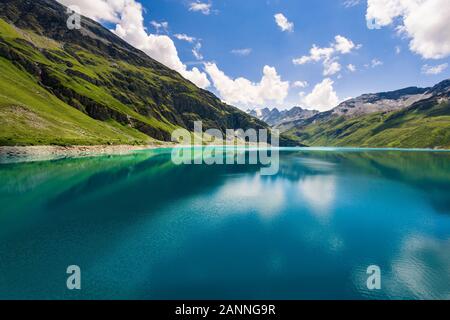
16	154
13	154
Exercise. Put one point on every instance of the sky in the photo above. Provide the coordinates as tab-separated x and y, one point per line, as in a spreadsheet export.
285	53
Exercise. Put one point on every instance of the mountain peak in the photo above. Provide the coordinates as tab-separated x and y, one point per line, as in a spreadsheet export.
380	102
440	88
275	117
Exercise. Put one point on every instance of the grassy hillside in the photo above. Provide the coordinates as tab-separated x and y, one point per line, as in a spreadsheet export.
30	115
61	86
426	124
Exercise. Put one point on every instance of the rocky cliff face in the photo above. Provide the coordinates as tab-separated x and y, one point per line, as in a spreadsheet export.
276	117
104	77
380	102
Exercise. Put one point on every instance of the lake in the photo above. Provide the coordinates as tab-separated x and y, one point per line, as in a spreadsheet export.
141	227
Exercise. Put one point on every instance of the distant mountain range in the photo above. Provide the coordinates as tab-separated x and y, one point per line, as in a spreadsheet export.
275	117
407	118
88	86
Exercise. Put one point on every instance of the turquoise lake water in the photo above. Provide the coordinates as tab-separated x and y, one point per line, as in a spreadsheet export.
141	227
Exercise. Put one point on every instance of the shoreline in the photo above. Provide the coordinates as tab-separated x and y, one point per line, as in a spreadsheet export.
18	154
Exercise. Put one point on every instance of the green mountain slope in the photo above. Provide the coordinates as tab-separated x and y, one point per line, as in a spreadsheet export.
61	86
31	115
424	124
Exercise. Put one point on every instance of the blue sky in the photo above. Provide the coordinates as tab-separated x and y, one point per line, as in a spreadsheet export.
381	58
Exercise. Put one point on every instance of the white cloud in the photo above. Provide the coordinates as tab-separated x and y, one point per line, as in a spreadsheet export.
331	67
351	68
398	50
434	70
424	22
329	55
343	45
100	10
243	92
196	51
376	63
323	97
300	84
284	23
197	47
127	15
184	37
241	52
202	7
160	25
316	54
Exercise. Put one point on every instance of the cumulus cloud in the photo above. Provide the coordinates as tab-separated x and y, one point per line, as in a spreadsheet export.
241	52
284	23
316	54
202	7
329	55
300	84
323	97
424	22
331	67
106	10
434	70
243	92
351	68
127	15
343	45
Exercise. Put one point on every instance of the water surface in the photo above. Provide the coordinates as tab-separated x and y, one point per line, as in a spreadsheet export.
141	227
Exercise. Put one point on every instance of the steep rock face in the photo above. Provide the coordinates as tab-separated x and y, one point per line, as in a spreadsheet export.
442	88
276	117
104	77
380	102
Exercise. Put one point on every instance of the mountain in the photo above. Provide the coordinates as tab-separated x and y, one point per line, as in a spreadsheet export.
276	117
88	86
259	113
407	118
380	102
